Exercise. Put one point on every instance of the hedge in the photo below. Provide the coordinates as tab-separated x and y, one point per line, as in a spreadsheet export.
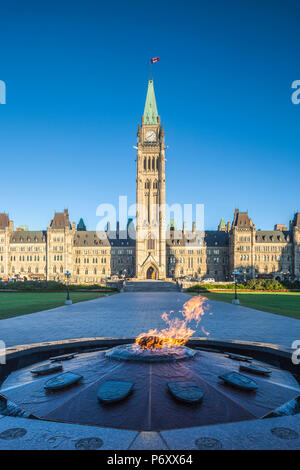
252	284
48	286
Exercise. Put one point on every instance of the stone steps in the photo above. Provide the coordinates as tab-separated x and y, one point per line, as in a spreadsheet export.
150	286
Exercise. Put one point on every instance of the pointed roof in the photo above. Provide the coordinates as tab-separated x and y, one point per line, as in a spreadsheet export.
241	219
150	111
172	225
4	220
222	226
60	220
222	223
81	225
296	221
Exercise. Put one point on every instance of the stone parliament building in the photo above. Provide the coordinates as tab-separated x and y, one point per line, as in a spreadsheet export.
171	254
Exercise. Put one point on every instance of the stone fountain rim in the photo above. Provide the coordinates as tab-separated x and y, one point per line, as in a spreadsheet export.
21	356
123	352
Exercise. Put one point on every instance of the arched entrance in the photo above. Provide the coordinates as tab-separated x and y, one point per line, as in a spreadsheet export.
151	273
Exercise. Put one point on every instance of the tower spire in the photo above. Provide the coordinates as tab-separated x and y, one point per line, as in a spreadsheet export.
150	111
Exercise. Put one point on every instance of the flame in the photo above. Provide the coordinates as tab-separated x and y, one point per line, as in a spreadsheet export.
177	332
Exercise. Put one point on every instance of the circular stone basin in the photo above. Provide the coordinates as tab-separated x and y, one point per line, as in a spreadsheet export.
132	352
150	406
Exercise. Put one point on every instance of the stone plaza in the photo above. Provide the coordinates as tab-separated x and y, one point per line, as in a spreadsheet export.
126	315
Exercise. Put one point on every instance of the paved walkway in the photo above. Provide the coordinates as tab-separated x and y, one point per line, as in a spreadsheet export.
129	314
265	434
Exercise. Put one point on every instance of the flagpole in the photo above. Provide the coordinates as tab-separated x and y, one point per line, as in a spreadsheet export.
155	59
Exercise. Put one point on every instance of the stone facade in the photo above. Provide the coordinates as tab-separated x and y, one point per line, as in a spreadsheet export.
47	254
150	251
150	194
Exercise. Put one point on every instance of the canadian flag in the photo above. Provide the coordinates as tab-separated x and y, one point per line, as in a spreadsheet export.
155	59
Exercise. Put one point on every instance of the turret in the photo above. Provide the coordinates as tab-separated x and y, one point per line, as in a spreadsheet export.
222	226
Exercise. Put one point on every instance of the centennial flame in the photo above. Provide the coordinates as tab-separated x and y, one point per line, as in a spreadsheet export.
177	332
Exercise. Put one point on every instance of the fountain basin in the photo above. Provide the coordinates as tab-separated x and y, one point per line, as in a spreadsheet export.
131	352
150	406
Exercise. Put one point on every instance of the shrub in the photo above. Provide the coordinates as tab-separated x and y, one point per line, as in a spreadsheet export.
253	284
209	287
47	286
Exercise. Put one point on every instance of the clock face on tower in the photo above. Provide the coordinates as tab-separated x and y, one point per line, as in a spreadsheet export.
150	136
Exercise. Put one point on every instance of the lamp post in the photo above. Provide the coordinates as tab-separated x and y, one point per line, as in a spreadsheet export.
124	277
235	301
68	301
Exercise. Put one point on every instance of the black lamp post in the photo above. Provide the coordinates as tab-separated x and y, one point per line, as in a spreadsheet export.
236	300
124	277
67	276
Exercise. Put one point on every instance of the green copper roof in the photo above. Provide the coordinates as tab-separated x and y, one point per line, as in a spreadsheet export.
150	111
81	225
222	223
172	224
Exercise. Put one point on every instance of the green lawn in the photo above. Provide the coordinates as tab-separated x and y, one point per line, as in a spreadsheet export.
22	303
283	303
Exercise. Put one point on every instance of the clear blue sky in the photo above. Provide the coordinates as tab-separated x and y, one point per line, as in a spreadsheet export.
76	73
